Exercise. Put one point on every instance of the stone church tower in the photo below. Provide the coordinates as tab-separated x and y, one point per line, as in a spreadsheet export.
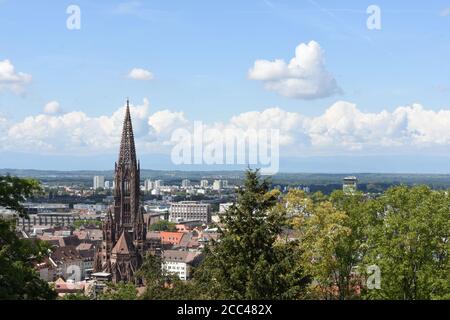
124	230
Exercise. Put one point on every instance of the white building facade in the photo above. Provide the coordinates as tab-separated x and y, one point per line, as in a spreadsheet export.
99	182
189	211
179	263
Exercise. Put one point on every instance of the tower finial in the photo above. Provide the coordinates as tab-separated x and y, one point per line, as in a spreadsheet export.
127	149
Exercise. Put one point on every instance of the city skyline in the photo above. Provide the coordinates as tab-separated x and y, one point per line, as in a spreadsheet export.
230	158
315	73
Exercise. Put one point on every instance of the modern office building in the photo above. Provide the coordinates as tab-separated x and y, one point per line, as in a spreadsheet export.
189	211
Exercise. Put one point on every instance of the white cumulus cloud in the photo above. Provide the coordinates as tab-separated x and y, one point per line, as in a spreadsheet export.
52	107
140	74
340	129
304	77
12	80
76	132
165	121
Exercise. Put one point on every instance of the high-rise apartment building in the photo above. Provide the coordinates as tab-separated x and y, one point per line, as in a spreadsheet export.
148	185
217	185
350	185
185	183
99	182
158	184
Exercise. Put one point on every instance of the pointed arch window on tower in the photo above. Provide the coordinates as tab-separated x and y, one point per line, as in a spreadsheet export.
126	187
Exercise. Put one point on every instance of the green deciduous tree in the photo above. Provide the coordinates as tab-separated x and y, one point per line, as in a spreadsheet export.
75	296
119	291
18	279
332	241
82	223
163	225
319	241
14	191
351	249
409	242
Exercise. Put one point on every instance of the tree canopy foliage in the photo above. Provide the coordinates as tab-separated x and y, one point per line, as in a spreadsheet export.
163	225
18	279
249	261
409	241
14	191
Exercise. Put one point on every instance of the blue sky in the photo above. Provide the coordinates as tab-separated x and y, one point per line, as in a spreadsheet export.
200	53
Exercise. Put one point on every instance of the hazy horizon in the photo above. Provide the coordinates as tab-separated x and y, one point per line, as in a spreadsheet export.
328	165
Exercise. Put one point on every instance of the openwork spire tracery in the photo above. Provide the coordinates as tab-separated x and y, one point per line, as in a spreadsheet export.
127	153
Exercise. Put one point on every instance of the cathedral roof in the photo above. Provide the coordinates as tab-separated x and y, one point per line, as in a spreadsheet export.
124	245
127	153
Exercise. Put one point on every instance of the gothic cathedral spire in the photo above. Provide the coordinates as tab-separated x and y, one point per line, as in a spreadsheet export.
127	154
127	179
124	231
